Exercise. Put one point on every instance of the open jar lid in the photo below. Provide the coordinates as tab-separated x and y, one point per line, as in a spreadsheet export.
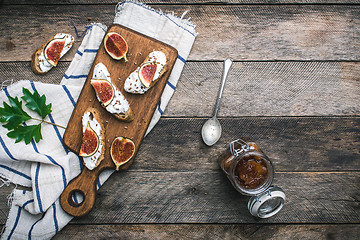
268	203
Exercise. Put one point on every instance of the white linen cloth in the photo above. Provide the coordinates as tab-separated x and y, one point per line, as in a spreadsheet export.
47	167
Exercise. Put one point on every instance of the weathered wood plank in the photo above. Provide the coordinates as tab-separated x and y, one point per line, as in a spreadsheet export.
14	71
242	32
210	231
5	191
293	144
151	2
208	197
252	88
269	88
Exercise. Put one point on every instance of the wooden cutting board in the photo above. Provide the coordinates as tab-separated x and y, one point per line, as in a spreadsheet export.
143	107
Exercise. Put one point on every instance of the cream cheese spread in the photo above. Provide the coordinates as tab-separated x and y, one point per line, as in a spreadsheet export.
133	83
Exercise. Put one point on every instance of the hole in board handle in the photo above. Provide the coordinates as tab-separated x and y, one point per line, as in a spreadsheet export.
76	198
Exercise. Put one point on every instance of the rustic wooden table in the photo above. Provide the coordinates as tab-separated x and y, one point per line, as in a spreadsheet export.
294	88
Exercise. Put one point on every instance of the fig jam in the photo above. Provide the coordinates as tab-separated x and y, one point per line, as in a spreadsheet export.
247	167
251	173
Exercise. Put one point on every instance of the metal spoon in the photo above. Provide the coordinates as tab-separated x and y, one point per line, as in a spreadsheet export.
211	130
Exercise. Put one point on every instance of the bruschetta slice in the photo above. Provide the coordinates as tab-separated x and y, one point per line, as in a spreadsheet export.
93	140
109	95
47	57
148	73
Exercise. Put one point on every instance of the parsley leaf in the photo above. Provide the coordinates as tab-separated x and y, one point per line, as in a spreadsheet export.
26	133
13	114
14	117
36	102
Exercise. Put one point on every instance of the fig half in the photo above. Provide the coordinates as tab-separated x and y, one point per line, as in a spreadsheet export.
121	151
53	49
90	143
116	46
146	73
104	90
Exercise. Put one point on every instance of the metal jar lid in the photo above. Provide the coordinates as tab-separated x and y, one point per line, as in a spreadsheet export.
268	203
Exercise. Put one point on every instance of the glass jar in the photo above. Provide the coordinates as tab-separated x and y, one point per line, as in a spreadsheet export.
251	173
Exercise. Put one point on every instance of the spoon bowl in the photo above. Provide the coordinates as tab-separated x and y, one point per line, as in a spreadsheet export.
211	130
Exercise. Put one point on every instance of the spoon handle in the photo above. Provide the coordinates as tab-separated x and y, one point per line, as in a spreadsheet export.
227	65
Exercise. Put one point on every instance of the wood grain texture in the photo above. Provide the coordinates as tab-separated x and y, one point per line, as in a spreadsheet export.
303	111
242	32
252	88
143	107
293	144
269	88
208	197
151	2
211	231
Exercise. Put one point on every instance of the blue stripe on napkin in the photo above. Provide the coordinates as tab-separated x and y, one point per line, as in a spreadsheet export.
181	59
159	109
91	50
74	76
37	187
51	160
69	95
32	227
37	173
55	220
28	202
6	149
98	183
170	85
15	171
83	33
58	133
87	50
16	223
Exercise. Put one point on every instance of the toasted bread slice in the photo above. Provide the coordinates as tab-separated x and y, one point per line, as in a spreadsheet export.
128	116
117	104
134	84
39	63
35	65
92	119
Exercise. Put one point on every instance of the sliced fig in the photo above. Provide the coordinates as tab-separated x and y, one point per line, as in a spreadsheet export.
104	90
53	49
115	46
122	150
146	73
90	142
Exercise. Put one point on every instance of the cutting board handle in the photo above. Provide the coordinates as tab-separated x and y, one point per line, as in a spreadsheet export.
85	185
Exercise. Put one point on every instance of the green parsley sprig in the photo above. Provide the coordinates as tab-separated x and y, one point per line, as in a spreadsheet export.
14	117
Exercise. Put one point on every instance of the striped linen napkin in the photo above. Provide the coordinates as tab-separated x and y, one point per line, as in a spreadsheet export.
47	167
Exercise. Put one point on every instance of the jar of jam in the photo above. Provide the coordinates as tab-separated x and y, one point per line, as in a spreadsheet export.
251	173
